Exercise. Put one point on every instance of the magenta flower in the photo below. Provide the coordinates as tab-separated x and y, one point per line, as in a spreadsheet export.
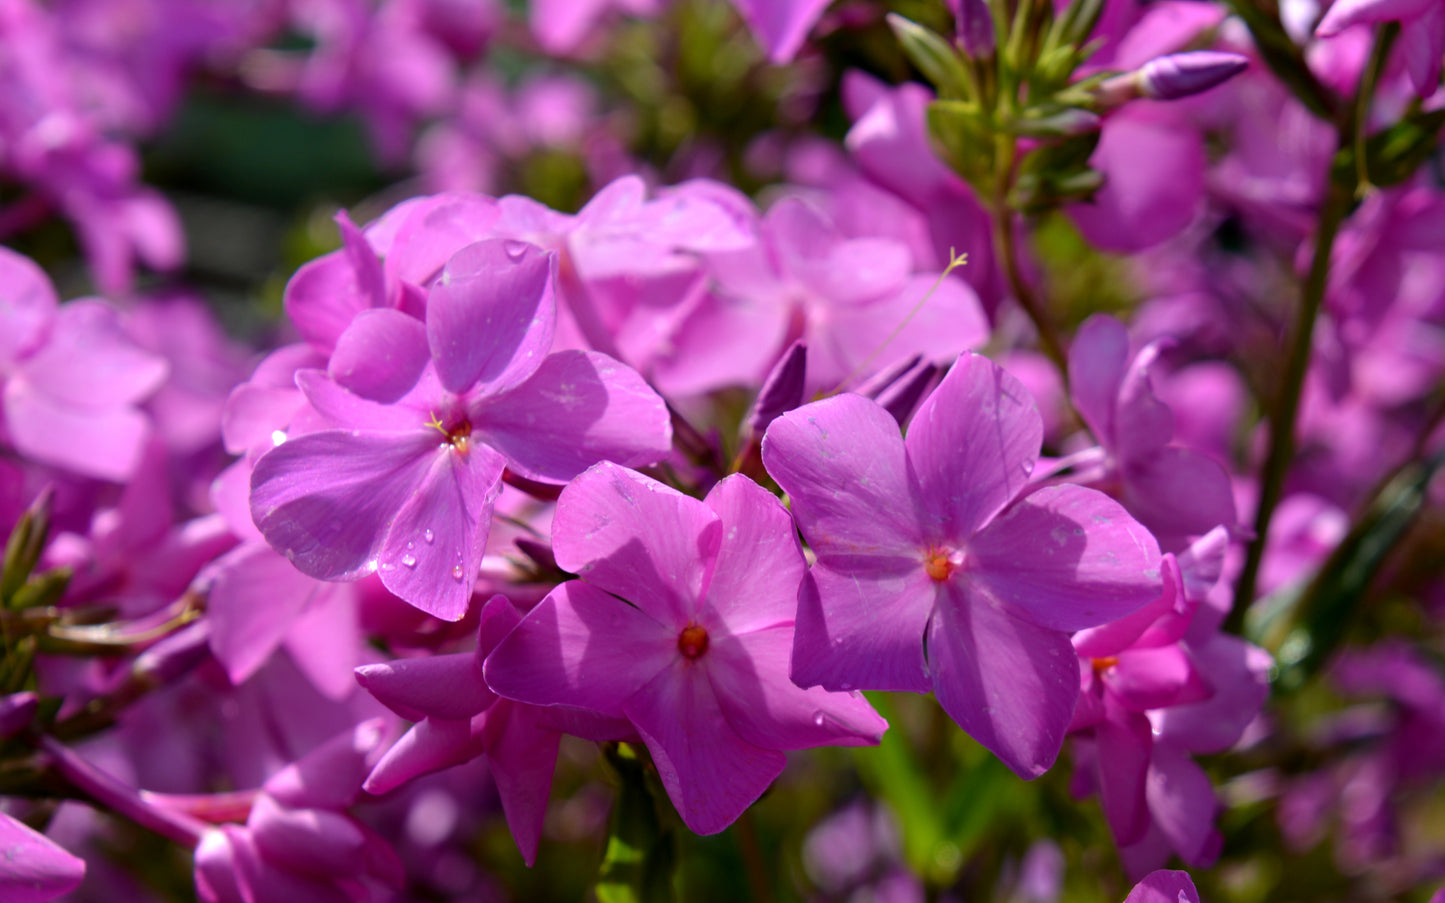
460	719
430	414
682	626
1164	887
933	575
34	868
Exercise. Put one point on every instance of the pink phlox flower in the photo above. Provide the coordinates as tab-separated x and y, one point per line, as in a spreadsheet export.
1422	32
428	414
72	379
681	625
1177	492
934	574
458	719
1164	887
298	842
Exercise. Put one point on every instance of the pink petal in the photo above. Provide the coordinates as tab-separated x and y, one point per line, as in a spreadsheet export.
842	463
1124	743
1164	887
430	746
381	355
863	629
1098	359
326	500
348	410
491	315
580	407
90	362
759	563
522	757
938	320
749	676
1182	804
433	230
448	687
580	647
1344	13
1066	558
638	539
1239	674
325	642
1114	637
27	305
1142	421
314	842
34	868
105	443
330	776
1179	494
781	26
973	444
1147	679
433	547
1010	684
710	772
256	596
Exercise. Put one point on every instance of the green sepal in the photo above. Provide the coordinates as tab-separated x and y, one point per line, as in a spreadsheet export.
1053	121
934	56
1391	156
23	549
640	857
42	589
963	134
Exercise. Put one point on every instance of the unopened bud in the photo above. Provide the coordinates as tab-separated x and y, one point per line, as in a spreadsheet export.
975	27
1182	74
782	390
16	712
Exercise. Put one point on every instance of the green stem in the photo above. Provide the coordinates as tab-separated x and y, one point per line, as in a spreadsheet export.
1007	252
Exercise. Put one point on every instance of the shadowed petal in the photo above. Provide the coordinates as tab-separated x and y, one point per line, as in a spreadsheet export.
639	539
710	772
1066	558
1124	743
842	463
1164	886
580	407
522	757
491	315
863	630
1179	494
326	500
1182	803
429	746
972	445
1010	684
35	868
1098	357
449	687
255	598
27	305
749	676
580	647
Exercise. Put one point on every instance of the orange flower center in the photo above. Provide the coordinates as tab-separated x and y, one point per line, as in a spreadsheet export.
939	564
692	642
1103	664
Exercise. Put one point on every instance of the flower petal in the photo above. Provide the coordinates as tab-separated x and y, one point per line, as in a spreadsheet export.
36	868
973	444
842	463
448	687
638	539
863	629
1164	886
104	443
709	771
27	305
255	597
1098	357
326	500
580	647
89	360
1010	684
522	757
749	676
381	355
759	563
1124	743
580	407
433	547
430	746
491	315
1066	558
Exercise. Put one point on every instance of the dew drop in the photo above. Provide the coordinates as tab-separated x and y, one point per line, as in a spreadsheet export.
845	686
516	250
818	719
457	571
429	536
409	560
410	546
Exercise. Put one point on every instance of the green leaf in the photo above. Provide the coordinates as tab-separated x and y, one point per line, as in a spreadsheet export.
893	773
1392	156
933	56
964	137
639	860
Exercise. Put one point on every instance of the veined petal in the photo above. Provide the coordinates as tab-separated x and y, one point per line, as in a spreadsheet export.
491	315
710	772
1010	684
580	407
326	500
350	411
36	867
449	687
104	443
255	598
522	757
1098	358
1065	558
580	647
842	463
863	629
972	445
428	747
759	563
749	675
90	362
434	545
1124	743
636	538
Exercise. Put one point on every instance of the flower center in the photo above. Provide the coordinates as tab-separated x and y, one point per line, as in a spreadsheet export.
458	435
692	642
1103	664
939	562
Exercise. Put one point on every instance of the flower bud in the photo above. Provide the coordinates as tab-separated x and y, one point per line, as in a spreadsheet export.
1182	74
975	27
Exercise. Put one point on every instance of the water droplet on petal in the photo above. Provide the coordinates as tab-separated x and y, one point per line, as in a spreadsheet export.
516	250
457	571
410	546
429	536
409	560
818	719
